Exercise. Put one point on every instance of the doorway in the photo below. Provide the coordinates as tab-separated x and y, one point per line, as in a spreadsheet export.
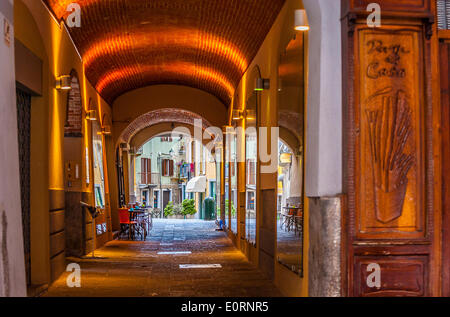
445	105
166	198
24	137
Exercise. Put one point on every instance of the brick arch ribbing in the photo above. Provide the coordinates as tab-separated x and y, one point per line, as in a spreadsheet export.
160	116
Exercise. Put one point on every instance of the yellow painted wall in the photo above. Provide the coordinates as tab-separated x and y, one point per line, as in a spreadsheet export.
49	40
267	61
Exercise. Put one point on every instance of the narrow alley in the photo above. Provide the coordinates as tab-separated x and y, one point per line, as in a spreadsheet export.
134	268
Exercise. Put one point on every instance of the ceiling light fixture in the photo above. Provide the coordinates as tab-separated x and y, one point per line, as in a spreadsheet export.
301	20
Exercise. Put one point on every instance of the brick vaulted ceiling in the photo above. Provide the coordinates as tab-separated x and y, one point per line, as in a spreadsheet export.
205	44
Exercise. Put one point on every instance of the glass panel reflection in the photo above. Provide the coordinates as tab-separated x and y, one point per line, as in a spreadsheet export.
234	189
218	177
290	155
227	186
251	169
99	178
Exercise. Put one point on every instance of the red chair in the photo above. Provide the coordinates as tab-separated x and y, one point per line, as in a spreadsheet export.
125	223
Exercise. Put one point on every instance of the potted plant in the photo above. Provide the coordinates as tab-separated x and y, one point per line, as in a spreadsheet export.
178	210
188	208
169	210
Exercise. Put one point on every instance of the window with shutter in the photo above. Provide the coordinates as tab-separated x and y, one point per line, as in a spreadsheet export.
170	167
163	168
149	170
143	171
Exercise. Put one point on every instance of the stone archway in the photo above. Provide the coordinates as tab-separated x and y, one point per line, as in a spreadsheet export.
147	126
163	115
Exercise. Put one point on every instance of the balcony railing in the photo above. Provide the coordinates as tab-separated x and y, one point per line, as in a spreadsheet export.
148	178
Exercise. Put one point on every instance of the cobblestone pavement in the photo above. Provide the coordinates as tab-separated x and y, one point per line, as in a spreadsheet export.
135	269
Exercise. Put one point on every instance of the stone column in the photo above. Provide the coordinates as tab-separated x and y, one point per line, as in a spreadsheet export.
323	172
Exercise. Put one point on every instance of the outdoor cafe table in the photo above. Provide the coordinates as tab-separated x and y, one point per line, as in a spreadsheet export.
133	217
293	219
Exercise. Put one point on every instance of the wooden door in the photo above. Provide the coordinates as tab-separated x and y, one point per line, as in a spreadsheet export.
445	104
166	198
391	221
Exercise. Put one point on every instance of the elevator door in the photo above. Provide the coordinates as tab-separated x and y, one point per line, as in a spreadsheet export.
23	128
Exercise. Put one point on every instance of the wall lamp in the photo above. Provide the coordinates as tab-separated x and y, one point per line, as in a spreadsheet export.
244	114
238	114
262	84
124	146
250	114
91	115
301	20
106	130
64	82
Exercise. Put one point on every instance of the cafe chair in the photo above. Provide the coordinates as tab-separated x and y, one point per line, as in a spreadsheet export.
126	225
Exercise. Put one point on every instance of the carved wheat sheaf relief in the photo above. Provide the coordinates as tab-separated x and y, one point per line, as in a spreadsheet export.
390	128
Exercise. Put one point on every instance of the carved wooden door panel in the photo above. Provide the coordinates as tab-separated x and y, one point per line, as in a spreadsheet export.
391	213
445	104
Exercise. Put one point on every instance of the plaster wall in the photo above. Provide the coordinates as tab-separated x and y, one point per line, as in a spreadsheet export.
12	267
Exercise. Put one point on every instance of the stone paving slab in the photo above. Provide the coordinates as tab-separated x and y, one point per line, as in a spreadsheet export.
134	269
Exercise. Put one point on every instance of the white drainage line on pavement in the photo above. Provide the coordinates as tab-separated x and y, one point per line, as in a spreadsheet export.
174	252
200	266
